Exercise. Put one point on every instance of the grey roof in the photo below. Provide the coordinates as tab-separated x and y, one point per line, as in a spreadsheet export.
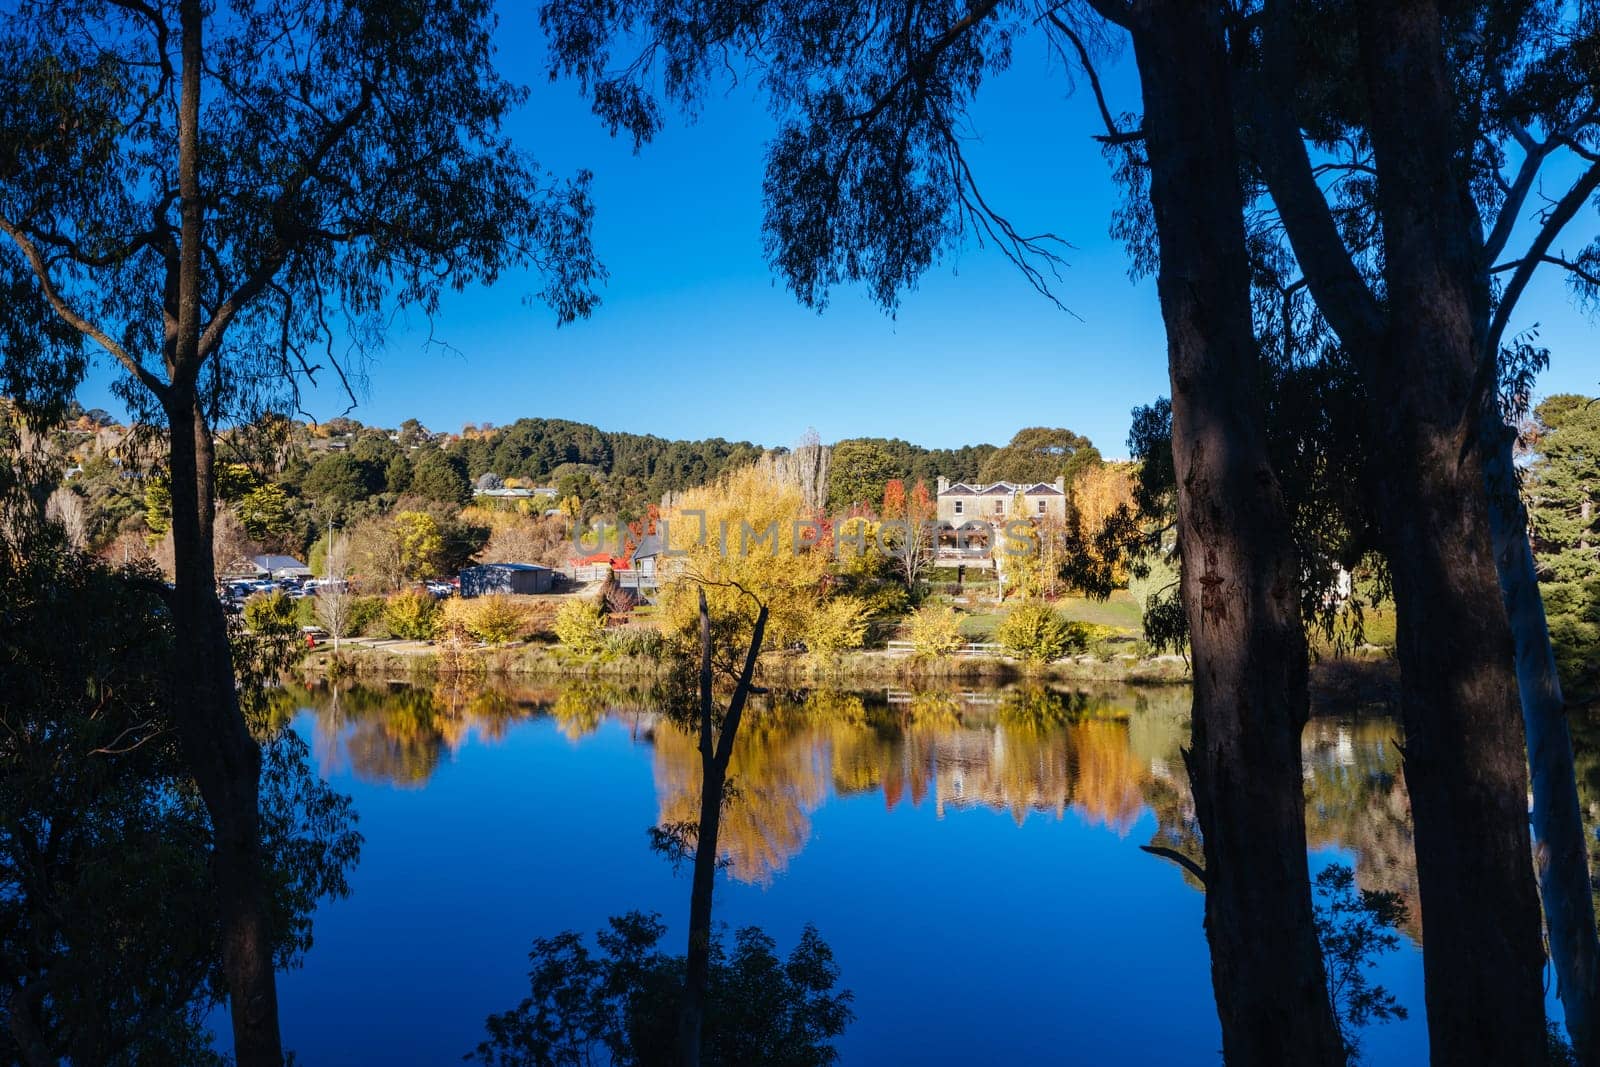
649	545
277	563
1002	489
507	567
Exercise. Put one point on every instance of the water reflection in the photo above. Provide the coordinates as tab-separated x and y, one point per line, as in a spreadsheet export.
1102	756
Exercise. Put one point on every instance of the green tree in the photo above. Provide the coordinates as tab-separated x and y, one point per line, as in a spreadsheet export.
441	477
340	478
858	474
1040	454
266	513
1563	491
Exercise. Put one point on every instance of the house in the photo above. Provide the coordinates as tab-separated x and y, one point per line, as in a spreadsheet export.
538	492
641	571
487	578
279	567
966	502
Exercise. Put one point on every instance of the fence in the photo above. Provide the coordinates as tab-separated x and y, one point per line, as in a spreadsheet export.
971	648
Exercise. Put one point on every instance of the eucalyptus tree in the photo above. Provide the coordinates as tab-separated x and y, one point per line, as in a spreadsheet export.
1402	146
867	182
229	200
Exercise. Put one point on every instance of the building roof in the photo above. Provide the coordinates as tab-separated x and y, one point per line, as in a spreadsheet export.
277	563
1002	489
649	545
507	567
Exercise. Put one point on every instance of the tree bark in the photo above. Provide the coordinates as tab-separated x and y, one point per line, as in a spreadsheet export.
1240	577
716	751
218	749
224	759
1464	752
1560	844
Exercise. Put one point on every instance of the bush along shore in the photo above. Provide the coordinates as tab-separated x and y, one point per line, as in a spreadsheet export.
402	659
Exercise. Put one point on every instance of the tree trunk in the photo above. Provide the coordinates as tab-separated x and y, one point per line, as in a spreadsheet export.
697	973
1561	847
1240	577
1464	762
224	759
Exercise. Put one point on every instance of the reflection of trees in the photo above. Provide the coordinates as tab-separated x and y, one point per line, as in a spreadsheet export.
1108	755
398	734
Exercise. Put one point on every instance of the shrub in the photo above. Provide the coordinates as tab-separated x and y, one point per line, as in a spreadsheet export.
366	612
1035	631
936	630
410	614
270	614
495	620
640	641
838	625
581	627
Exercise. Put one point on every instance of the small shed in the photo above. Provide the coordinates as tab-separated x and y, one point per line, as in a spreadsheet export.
487	578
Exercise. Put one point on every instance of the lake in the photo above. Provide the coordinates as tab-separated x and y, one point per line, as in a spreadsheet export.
970	856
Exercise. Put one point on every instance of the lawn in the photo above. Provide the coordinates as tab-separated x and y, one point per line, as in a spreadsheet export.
1120	612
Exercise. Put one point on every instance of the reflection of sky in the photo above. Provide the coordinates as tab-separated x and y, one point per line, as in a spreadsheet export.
966	938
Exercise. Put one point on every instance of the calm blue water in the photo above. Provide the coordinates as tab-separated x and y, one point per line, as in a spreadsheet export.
997	911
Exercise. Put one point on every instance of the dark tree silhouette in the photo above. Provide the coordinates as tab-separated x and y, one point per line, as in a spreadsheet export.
202	192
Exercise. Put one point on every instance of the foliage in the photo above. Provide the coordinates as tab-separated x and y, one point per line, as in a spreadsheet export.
364	615
266	513
393	550
340	478
270	614
643	641
110	925
440	477
1035	631
494	619
935	630
1354	927
751	542
581	626
619	1005
838	624
1563	492
410	614
1041	454
858	474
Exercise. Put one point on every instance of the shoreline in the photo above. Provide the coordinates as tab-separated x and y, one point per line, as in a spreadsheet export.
1359	681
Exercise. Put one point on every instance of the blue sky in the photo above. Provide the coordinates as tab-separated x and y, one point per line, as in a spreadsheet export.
695	337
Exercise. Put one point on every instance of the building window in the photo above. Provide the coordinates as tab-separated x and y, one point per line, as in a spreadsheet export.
959	504
1041	506
999	507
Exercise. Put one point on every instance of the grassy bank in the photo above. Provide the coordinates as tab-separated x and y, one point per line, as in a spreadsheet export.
411	660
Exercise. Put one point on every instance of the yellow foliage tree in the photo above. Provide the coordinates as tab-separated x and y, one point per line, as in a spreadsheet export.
1097	493
935	630
744	532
